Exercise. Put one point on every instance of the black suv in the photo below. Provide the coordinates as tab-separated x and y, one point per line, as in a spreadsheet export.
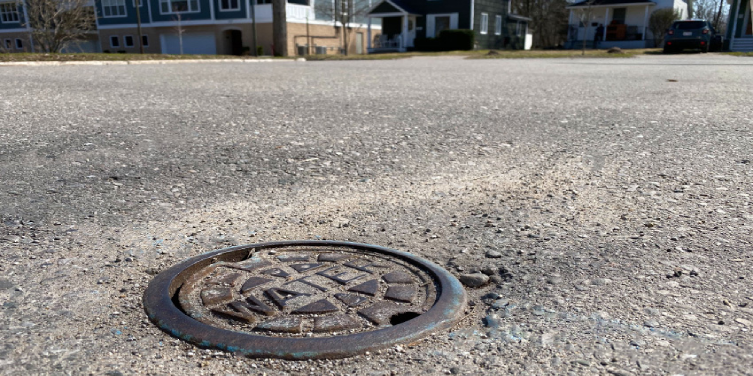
695	34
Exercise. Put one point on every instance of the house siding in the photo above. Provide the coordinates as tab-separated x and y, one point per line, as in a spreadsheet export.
489	40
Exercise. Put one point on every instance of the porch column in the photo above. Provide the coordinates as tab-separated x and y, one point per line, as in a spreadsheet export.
734	24
606	22
405	31
368	34
645	23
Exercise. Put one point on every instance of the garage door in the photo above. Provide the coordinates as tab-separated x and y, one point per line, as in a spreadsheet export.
193	43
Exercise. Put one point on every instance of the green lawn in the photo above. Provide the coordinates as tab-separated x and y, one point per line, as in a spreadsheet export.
744	54
477	54
16	57
485	54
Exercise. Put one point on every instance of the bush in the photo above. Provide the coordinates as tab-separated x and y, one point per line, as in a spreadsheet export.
425	44
448	40
453	40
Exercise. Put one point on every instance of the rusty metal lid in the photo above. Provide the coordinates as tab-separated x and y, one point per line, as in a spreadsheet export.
304	299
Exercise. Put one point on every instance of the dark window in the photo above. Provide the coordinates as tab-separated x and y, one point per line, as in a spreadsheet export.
264	1
19	44
8	44
114	41
128	40
145	40
689	25
619	15
229	4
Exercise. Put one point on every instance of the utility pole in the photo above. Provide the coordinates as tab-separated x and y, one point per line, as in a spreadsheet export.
280	27
308	34
138	26
253	25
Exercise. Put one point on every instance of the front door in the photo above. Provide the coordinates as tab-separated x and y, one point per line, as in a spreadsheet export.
359	43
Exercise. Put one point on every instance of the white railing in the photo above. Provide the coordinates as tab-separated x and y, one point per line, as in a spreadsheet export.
385	41
299	12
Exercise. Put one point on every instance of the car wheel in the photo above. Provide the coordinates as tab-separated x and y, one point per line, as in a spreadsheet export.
667	50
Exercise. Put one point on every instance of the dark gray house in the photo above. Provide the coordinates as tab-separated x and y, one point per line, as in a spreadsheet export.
405	20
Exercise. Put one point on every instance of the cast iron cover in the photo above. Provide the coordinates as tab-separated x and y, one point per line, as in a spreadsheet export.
304	299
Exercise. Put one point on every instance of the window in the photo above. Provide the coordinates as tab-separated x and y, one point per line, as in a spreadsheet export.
128	40
113	8
8	44
498	25
19	44
9	12
114	41
264	1
619	15
226	5
178	6
443	23
145	40
484	23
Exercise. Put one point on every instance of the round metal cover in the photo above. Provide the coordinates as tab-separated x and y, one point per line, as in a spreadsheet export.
304	299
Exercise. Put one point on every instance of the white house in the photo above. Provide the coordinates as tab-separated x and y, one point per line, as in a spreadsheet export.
625	22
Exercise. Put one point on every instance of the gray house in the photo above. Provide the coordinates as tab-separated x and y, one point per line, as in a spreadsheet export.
403	21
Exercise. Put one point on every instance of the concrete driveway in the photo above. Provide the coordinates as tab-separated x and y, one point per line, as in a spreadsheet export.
608	201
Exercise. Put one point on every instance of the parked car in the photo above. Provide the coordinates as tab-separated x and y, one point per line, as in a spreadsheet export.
691	34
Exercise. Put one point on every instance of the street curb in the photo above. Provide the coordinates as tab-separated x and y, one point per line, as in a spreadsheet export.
144	62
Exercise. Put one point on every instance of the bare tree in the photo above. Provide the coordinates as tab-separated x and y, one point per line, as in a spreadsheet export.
549	20
179	30
57	23
660	21
279	27
714	11
348	14
585	16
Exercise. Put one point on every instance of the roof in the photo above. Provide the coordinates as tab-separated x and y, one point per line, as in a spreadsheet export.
392	6
603	3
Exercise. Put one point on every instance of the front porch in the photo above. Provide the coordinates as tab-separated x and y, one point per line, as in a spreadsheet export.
624	26
398	28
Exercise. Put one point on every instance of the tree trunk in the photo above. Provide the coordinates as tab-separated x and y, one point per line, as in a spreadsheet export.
279	27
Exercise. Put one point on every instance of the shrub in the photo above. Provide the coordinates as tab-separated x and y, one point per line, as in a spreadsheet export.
448	40
452	40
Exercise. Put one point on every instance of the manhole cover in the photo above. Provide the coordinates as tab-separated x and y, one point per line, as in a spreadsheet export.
304	299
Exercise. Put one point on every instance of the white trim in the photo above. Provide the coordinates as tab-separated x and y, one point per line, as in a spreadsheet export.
621	5
19	30
117	37
473	8
170	2
382	15
484	29
223	22
125	8
133	41
391	3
